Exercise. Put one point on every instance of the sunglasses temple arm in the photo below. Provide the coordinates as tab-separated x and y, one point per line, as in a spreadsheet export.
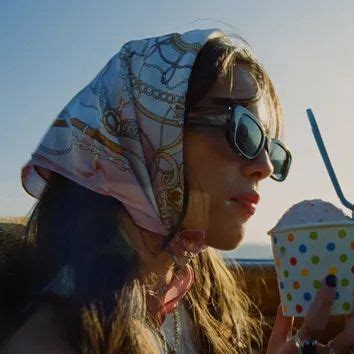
327	162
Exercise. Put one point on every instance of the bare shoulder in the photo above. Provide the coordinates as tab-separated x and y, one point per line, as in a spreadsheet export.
41	333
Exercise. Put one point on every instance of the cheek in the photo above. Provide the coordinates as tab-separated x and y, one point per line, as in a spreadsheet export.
214	174
211	185
225	226
224	233
221	181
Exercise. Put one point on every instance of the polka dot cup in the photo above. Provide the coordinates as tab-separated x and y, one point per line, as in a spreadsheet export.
305	255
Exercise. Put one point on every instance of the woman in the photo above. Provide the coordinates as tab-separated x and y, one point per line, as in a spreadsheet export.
148	169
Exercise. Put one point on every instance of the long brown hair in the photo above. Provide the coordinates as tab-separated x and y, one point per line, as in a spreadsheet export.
108	312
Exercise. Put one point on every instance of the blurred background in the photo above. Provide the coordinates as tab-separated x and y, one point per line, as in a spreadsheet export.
51	49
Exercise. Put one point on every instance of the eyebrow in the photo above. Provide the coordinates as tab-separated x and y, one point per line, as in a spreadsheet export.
228	101
222	101
217	102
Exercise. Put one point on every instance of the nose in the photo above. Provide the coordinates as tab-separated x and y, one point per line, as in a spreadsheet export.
259	168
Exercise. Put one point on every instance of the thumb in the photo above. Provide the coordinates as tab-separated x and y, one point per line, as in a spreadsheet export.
281	329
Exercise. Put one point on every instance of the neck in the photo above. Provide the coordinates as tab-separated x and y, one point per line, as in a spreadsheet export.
155	265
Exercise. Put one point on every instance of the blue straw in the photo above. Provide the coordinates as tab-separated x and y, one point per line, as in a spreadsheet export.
327	162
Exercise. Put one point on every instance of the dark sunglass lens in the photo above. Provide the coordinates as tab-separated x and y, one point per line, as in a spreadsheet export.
280	160
248	136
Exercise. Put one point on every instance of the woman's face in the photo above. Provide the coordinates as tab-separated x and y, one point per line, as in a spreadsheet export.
224	187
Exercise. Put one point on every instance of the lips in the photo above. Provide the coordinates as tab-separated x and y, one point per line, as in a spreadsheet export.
248	201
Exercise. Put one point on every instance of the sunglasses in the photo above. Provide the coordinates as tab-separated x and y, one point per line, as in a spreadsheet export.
246	137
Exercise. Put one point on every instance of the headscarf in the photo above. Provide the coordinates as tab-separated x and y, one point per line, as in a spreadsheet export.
122	135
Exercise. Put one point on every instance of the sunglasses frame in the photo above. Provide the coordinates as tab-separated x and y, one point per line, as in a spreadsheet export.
233	116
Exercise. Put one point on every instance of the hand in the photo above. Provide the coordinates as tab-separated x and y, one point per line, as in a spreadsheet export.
313	326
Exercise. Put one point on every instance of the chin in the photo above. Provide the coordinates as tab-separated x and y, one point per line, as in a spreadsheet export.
225	241
225	246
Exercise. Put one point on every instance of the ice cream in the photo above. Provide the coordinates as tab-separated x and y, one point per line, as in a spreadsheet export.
311	212
311	240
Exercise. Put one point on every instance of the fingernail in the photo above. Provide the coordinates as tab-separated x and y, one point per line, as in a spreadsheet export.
331	280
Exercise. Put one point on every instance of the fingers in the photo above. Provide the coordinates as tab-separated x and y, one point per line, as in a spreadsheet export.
313	325
318	314
351	315
281	330
344	341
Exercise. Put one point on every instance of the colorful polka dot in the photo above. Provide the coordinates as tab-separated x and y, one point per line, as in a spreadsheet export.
289	297
343	258
346	306
302	248
332	270
282	249
313	235
330	246
286	273
298	308
281	285
345	282
307	296
296	285
352	245
342	233
293	261
337	295
275	240
352	269
315	259
291	237
305	272
316	284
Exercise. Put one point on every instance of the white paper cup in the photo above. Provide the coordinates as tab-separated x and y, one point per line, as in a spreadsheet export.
304	255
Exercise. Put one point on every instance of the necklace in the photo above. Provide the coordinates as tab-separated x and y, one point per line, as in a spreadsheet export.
158	291
168	349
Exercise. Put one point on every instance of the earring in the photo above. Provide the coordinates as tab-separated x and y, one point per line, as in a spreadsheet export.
186	245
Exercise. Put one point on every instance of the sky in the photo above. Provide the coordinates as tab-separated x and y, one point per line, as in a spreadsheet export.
51	49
